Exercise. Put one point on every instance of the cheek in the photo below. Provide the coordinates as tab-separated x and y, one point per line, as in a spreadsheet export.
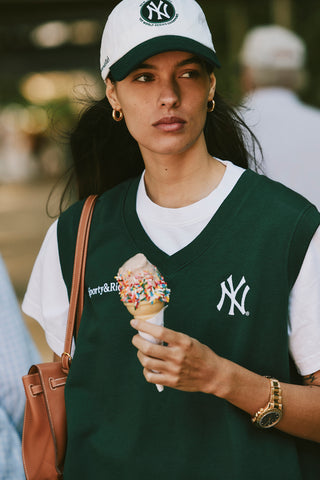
199	111
135	116
198	102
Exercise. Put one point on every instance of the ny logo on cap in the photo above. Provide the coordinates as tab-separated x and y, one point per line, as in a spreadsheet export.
161	13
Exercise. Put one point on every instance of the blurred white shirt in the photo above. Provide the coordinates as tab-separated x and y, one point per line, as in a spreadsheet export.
289	133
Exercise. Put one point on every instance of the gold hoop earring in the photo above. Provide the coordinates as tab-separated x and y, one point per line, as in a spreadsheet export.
117	115
211	105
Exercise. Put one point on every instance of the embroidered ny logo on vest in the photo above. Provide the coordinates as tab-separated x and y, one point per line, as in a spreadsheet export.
232	294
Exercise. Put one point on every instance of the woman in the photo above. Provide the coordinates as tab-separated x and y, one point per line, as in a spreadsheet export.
234	247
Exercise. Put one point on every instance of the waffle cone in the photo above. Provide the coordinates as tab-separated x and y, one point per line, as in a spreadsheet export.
145	310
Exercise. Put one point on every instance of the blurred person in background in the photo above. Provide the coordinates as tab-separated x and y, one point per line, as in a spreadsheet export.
17	160
17	354
272	61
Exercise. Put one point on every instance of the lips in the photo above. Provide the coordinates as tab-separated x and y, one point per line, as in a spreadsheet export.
170	124
169	121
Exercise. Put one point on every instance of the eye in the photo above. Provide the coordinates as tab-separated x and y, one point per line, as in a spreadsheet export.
144	77
190	74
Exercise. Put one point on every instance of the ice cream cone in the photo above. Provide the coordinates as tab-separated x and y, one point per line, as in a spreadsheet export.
148	312
145	310
144	292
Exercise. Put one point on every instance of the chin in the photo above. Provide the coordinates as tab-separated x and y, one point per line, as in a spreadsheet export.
169	148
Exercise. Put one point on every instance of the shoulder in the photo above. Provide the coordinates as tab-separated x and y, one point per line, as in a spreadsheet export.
285	219
276	197
279	210
110	200
107	212
72	214
310	119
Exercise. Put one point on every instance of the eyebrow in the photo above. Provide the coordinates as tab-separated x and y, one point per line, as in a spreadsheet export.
187	61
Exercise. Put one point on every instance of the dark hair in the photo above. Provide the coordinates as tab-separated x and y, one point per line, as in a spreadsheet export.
103	151
105	154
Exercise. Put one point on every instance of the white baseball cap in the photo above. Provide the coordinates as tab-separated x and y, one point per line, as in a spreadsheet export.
139	29
272	47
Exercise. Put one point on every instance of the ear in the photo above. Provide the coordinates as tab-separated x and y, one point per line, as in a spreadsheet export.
212	90
111	94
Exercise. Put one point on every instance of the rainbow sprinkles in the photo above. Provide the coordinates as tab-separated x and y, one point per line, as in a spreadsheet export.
141	283
142	287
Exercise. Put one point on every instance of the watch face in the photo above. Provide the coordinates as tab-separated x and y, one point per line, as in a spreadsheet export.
270	419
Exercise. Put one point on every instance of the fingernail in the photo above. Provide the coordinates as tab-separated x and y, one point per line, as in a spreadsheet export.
134	322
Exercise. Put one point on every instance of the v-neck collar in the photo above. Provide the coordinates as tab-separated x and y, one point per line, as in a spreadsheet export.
225	215
200	211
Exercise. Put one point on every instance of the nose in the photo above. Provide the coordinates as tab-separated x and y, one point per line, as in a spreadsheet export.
169	94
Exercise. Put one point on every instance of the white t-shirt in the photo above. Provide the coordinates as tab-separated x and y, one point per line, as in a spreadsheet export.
171	229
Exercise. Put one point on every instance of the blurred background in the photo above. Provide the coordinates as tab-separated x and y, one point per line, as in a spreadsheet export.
50	63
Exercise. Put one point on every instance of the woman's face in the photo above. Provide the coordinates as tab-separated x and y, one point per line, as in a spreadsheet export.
164	102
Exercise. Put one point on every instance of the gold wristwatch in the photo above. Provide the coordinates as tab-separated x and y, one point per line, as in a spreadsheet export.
271	414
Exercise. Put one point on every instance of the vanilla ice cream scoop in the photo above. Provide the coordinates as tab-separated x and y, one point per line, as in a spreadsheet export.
140	283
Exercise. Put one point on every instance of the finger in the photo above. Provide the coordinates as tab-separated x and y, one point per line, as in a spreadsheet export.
146	327
155	377
152	364
163	378
148	348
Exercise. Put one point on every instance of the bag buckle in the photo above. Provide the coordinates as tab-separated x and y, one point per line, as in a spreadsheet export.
66	360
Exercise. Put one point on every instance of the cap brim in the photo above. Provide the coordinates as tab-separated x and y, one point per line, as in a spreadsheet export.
154	46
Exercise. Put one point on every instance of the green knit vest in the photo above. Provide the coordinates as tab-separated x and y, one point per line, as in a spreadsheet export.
230	289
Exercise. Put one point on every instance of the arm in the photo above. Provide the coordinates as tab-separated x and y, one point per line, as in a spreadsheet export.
50	309
17	352
11	467
186	364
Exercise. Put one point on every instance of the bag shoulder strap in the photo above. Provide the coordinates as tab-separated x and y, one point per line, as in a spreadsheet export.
77	287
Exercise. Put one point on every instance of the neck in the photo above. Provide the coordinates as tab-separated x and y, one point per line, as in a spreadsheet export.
175	181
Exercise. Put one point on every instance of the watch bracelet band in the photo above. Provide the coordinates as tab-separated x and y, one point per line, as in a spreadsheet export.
275	400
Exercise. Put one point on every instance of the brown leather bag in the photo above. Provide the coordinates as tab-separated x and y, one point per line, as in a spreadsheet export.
44	434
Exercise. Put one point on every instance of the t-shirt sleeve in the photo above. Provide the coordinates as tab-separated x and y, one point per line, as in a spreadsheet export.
46	299
304	312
